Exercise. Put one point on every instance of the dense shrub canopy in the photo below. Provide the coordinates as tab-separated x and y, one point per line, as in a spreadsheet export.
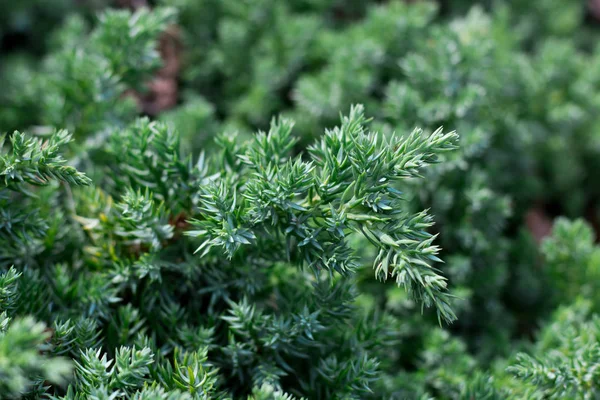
223	199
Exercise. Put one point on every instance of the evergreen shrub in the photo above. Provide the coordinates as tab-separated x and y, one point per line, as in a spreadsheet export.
303	199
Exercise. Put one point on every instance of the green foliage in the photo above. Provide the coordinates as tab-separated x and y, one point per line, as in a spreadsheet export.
572	260
185	256
82	85
23	361
36	162
255	211
27	161
564	363
343	188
